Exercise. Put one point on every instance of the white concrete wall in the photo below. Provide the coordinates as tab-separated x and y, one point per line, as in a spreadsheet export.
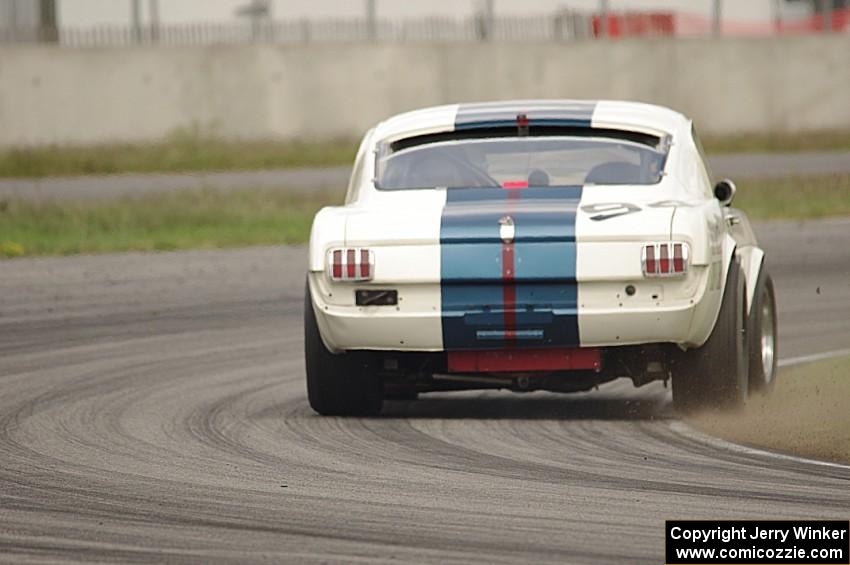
50	95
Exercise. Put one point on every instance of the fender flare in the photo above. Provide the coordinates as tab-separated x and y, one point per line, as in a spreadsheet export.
751	259
731	251
752	263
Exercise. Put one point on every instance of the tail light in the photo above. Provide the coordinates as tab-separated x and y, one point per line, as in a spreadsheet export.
353	264
665	259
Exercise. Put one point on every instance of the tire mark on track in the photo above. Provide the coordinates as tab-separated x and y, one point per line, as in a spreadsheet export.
129	436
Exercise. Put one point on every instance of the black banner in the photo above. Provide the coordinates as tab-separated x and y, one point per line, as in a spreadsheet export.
744	542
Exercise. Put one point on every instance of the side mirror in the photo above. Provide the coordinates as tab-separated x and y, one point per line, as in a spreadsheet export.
724	191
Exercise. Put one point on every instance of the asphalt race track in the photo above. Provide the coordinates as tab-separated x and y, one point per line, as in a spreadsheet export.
333	179
152	408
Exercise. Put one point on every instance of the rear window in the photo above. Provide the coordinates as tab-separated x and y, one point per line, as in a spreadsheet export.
518	162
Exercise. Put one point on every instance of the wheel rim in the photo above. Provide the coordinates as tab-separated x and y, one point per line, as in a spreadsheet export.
768	337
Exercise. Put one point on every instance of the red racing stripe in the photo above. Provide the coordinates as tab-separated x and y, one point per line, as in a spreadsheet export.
508	276
508	293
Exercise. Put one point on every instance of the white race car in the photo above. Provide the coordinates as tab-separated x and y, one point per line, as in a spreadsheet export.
535	245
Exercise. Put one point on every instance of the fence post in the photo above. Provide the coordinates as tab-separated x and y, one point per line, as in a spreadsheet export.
776	8
826	9
717	17
490	17
603	18
136	20
371	20
49	31
154	17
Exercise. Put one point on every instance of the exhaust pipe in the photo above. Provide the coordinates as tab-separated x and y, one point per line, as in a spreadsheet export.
477	379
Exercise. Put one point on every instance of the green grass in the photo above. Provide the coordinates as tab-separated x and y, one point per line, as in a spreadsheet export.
185	220
795	198
181	152
208	219
188	151
778	142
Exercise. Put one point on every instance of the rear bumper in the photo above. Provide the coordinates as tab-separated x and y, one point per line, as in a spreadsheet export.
525	360
606	316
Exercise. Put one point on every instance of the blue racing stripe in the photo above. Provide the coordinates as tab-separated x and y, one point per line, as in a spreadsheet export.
539	113
543	285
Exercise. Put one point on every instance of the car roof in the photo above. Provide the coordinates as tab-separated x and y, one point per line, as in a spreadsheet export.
607	114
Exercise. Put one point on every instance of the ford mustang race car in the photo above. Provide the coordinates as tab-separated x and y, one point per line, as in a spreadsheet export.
535	245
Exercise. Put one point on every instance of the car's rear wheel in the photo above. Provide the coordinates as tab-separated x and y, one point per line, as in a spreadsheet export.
337	385
401	393
761	331
716	374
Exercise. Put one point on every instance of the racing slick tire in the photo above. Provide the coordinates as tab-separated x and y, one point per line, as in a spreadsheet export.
716	374
337	385
402	394
762	334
